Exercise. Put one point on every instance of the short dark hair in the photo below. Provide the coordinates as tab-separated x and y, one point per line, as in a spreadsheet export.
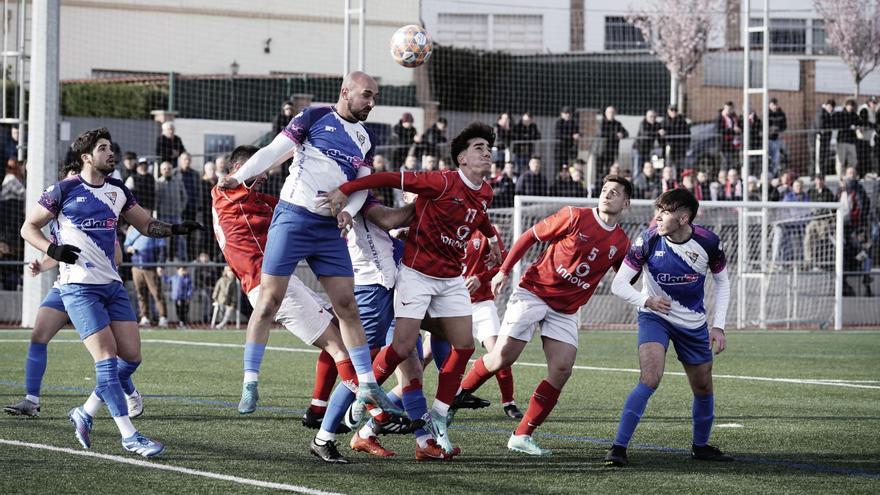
75	167
241	153
472	131
830	101
129	155
619	179
674	199
86	142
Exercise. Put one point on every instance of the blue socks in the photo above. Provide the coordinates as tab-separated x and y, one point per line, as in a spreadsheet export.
703	411
361	360
253	356
339	401
126	369
416	406
397	401
108	388
34	368
440	349
633	409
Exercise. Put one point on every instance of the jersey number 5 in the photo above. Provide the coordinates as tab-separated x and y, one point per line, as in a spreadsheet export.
593	253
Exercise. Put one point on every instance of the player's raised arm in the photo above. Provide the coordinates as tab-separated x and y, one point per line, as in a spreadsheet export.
390	218
279	150
427	184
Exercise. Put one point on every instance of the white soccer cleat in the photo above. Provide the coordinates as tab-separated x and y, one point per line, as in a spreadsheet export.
141	445
135	404
145	322
163	322
526	445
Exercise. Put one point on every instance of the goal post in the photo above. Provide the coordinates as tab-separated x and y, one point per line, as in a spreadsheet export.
786	269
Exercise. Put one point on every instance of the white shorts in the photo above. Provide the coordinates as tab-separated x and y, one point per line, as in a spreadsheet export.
485	323
302	312
416	294
525	310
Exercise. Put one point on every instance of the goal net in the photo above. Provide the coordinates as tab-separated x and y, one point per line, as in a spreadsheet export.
784	259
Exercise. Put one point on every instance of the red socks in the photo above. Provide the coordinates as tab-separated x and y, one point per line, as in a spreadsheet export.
505	384
450	375
476	377
347	374
385	363
540	405
325	378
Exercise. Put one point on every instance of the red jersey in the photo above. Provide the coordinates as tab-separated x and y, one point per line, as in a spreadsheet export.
582	249
448	210
241	225
477	264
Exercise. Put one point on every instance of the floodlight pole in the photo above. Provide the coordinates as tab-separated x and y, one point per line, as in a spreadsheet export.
361	12
45	108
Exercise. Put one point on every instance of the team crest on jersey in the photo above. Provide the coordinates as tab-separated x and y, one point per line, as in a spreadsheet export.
485	206
361	138
477	243
692	255
612	252
111	195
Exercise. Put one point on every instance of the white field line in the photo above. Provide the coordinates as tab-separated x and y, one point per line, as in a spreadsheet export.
801	381
168	467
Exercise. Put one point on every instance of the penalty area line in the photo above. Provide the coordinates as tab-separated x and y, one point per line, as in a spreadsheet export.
168	467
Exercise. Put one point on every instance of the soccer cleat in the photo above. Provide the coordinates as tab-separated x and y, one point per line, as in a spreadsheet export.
512	412
23	408
135	405
145	322
467	400
249	397
312	419
432	452
397	425
526	445
709	453
141	445
369	445
163	321
616	456
327	452
82	425
372	394
436	424
353	417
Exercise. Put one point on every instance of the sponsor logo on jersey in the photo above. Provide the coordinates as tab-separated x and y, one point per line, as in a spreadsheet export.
659	253
329	128
612	252
692	255
95	224
458	201
463	232
583	237
572	278
80	199
456	243
111	195
679	279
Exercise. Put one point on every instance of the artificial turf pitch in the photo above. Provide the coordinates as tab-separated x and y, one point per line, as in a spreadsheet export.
799	410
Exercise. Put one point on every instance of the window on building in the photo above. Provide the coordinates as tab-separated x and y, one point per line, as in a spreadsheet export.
463	30
518	33
820	43
786	35
621	35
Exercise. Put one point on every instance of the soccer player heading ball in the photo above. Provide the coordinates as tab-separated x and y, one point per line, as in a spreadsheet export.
675	256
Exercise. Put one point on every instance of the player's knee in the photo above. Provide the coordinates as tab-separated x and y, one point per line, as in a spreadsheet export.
650	379
560	373
346	307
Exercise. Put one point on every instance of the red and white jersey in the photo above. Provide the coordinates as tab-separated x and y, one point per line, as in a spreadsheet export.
448	210
241	225
582	249
476	263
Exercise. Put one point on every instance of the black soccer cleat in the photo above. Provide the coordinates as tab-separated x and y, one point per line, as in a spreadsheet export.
709	453
327	452
467	400
512	412
312	419
616	456
397	425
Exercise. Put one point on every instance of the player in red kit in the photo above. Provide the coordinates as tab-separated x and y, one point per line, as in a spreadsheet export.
583	244
451	206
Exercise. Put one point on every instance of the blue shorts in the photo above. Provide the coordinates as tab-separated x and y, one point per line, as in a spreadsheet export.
53	300
92	307
298	234
376	305
691	344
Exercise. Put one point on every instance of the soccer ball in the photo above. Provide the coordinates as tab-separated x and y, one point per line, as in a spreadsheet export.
411	46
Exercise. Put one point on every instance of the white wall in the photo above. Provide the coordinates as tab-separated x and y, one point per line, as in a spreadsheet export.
556	17
204	37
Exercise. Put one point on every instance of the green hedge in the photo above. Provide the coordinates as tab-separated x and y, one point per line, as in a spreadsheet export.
127	101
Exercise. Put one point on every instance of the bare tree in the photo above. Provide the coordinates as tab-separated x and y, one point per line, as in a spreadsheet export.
852	27
677	32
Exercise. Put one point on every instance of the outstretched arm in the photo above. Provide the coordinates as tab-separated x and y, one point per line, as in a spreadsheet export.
390	218
150	227
280	149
